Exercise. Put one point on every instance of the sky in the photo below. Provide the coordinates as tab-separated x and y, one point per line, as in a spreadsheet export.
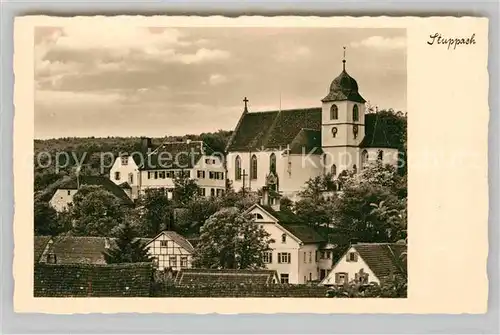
114	80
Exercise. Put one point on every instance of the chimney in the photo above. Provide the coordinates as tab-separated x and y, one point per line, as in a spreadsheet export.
265	196
146	144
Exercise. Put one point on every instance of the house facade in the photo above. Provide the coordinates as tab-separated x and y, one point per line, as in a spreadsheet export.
292	146
295	247
154	168
367	263
171	251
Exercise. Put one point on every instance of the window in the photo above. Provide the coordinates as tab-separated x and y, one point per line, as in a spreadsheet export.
130	178
310	276
334	170
156	174
162	174
284	257
186	174
305	255
323	255
258	216
155	261
51	258
284	278
69	192
272	163
253	167
334	131
310	257
212	192
352	257
149	175
355	168
355	113
211	175
328	255
124	160
334	112
163	244
355	131
202	191
268	257
219	192
117	175
283	238
380	156
173	261
237	170
322	274
184	262
364	158
341	278
200	174
208	161
169	174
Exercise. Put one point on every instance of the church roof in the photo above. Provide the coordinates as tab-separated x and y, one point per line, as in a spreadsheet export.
344	87
378	133
301	128
275	129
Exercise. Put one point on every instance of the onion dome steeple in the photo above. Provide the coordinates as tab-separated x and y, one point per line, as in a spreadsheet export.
344	87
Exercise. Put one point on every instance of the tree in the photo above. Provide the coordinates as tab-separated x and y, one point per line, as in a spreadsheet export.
155	212
191	218
128	248
45	219
95	212
185	190
370	203
231	240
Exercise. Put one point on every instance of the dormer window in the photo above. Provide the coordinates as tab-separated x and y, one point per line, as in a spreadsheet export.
334	112
334	131
355	113
283	238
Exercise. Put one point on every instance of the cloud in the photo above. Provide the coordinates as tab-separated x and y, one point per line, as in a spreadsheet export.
294	54
217	79
381	42
203	55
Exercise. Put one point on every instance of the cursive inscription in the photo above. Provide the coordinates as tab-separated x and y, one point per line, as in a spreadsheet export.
451	42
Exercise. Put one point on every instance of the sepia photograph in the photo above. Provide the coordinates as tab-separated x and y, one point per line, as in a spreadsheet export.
220	162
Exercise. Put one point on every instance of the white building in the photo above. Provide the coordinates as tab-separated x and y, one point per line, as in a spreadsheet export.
368	262
171	251
61	193
158	167
292	146
296	248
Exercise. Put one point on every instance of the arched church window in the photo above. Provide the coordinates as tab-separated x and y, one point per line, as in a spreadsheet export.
272	163
364	158
334	112
380	155
253	167
355	168
334	131
355	113
237	168
334	170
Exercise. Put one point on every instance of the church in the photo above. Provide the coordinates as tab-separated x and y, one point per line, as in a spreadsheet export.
283	149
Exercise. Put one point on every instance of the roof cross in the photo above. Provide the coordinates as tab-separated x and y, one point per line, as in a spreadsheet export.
245	101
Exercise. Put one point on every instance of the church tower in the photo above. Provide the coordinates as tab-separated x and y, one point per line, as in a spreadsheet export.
343	124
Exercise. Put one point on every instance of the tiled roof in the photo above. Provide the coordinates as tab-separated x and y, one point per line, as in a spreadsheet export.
71	183
344	87
307	141
84	280
82	249
301	128
79	250
175	155
273	129
225	276
40	243
378	132
383	258
291	222
125	185
177	238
